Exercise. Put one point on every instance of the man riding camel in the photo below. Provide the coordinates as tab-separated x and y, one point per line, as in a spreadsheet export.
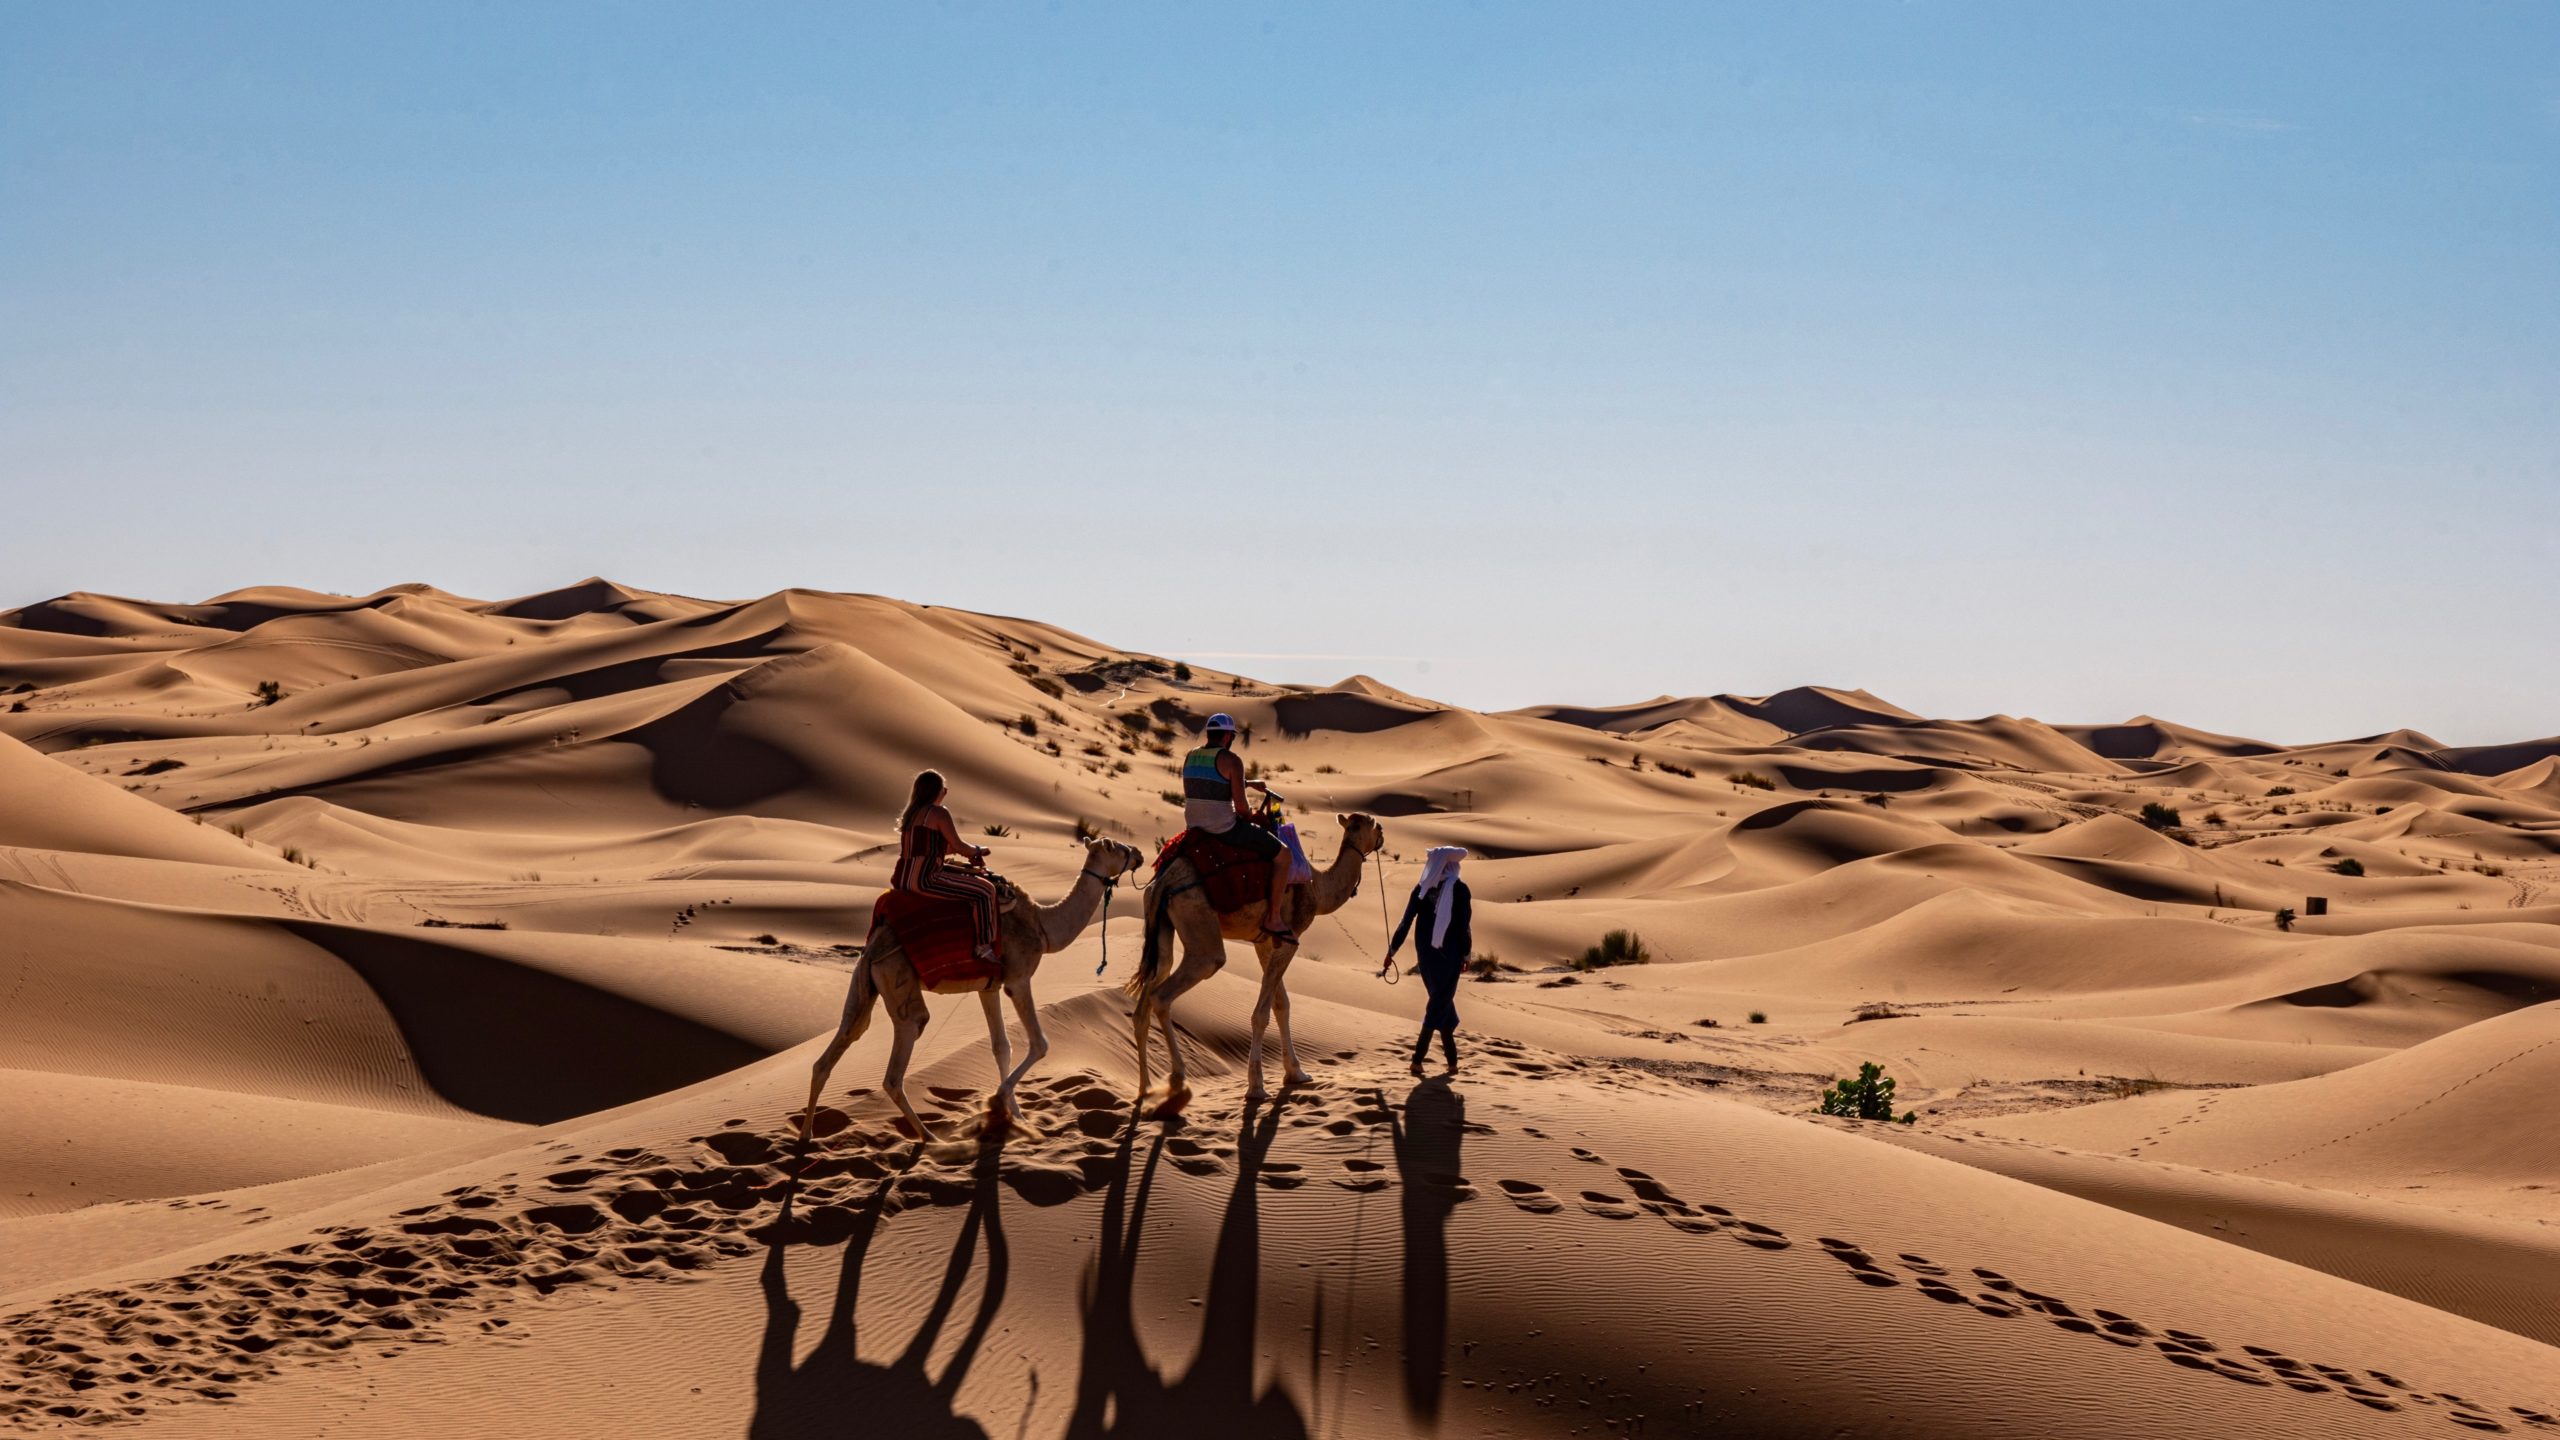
1214	804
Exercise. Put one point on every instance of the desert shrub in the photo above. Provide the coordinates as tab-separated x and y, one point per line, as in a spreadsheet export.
1048	687
1876	798
160	767
766	940
1095	748
999	832
2279	790
2159	816
2125	1087
1618	947
269	692
2349	866
2214	817
1869	1097
1181	672
1026	724
1709	1023
1878	1010
2284	918
1327	770
1668	768
1759	1017
1171	797
1753	780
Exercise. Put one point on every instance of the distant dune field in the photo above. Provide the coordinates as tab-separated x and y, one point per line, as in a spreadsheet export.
409	999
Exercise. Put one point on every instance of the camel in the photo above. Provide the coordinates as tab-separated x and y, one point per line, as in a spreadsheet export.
1178	908
1026	931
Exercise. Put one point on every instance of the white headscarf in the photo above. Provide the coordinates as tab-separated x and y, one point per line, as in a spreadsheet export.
1440	869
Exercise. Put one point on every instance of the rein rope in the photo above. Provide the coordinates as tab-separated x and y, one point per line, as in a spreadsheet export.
1386	927
1109	883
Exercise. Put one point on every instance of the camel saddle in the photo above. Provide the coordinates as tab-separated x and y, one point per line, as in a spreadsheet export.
939	937
1231	878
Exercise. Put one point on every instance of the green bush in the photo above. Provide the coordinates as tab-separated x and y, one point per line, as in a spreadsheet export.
2349	866
1869	1097
1618	947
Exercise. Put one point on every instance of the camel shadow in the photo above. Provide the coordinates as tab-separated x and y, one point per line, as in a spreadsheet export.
1118	1391
834	1388
1429	1142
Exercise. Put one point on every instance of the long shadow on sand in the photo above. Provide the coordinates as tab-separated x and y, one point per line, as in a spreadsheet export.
1118	1393
835	1392
1428	1141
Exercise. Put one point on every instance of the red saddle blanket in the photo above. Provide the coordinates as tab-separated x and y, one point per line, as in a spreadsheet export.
1231	878
939	936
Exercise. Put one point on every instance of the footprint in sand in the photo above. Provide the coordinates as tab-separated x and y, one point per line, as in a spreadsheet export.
1607	1206
1530	1197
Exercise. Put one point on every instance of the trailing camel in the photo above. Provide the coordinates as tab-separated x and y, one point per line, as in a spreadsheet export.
1178	908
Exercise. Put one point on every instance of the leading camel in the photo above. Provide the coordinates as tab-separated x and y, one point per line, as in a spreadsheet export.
1025	932
1177	908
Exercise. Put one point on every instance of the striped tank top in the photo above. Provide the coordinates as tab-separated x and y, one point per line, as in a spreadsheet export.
1208	800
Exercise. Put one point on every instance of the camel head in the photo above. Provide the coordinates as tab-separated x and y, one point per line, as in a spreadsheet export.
1111	859
1363	833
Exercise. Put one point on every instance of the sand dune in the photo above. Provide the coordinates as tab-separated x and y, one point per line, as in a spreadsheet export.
409	995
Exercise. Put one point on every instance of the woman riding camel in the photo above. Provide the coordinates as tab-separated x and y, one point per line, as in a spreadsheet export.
927	839
1447	911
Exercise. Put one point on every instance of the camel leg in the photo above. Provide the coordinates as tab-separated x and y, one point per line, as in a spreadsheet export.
1275	960
1036	1039
1139	1016
1177	1085
857	1018
1002	1112
1292	1073
902	1045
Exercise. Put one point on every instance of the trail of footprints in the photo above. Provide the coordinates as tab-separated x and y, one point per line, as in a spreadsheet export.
1995	1296
201	1335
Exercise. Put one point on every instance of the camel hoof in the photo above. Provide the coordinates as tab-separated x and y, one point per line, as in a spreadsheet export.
1173	1103
1295	1078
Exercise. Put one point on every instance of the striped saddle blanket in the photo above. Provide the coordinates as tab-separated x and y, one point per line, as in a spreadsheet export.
1231	878
939	936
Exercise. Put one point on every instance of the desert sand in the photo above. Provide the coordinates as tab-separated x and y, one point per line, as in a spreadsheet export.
410	998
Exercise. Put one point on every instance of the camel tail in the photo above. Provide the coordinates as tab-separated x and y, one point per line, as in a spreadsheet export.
1158	944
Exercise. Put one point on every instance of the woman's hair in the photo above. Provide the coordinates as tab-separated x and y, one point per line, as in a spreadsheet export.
929	786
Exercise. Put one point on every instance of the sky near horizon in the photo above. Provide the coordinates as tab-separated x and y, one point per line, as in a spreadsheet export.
2062	360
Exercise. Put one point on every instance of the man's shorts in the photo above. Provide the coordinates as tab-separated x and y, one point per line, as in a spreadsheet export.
1251	839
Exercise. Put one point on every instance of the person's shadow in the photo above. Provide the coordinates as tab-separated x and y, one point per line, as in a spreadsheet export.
1118	1393
835	1391
1428	1141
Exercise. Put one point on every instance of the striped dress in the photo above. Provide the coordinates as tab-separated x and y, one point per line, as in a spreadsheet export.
920	871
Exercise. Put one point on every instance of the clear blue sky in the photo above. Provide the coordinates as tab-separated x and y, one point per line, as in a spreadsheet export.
2058	359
